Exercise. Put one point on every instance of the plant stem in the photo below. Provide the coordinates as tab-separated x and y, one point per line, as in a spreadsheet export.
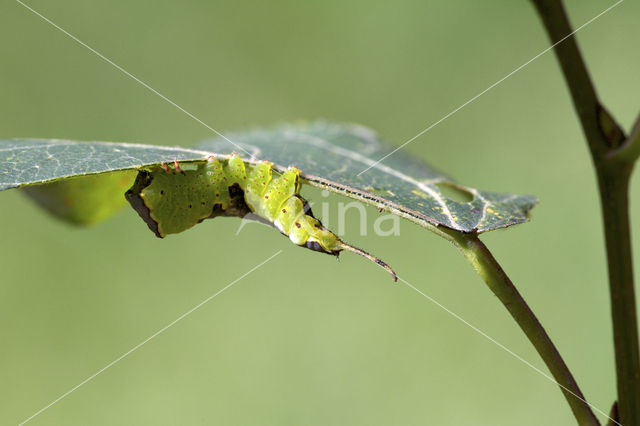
613	415
613	159
630	151
497	280
614	199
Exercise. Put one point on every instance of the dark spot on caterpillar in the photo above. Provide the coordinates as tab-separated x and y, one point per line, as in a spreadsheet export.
203	203
284	210
298	225
306	207
190	206
318	226
266	197
315	246
162	192
235	190
137	202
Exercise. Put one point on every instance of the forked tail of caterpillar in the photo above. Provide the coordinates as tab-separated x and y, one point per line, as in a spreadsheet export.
372	258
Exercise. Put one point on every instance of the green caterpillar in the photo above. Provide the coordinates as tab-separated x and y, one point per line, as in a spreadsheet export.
173	199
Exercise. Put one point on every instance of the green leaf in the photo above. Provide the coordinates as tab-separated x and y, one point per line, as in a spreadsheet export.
84	200
29	161
330	156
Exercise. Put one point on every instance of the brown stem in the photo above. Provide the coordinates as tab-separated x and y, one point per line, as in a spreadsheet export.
605	138
614	199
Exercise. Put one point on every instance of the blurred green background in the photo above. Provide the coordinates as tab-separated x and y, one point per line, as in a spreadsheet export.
306	340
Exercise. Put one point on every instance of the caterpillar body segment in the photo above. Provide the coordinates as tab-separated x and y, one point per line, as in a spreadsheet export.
173	199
